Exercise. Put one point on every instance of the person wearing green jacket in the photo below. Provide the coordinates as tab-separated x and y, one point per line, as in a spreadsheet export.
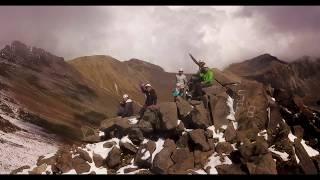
206	77
202	79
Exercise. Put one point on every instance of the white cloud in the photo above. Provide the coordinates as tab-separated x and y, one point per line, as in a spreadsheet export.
163	35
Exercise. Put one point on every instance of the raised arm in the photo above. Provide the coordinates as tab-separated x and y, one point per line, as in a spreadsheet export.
194	60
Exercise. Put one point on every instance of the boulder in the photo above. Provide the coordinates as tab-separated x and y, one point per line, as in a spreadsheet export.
115	127
252	105
200	117
98	160
211	143
136	136
180	128
142	159
90	135
298	131
145	126
220	112
49	161
199	139
305	161
170	144
169	118
183	160
247	129
230	133
275	116
114	157
84	155
20	169
251	151
80	165
229	169
153	117
39	169
129	170
183	141
316	160
128	147
223	147
144	172
201	158
162	161
64	161
265	165
184	108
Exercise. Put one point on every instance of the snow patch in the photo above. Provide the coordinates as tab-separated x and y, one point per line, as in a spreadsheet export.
218	135
264	134
215	160
98	148
200	171
121	170
311	152
224	127
159	147
284	156
133	121
179	121
146	155
145	141
126	139
72	171
101	133
230	105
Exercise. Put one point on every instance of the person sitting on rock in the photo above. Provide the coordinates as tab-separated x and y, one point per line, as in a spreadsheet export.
151	98
126	107
178	91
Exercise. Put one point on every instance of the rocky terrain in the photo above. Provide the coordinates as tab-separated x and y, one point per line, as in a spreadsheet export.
300	77
261	123
119	77
52	93
247	129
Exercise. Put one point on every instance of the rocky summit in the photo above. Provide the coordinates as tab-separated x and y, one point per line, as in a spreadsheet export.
247	125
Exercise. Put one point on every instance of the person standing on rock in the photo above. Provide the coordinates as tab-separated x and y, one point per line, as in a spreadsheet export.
201	80
151	98
126	107
181	79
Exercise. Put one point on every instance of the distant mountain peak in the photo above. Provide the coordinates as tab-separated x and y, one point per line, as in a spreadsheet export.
266	58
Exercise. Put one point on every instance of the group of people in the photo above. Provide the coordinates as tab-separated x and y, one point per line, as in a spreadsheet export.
189	90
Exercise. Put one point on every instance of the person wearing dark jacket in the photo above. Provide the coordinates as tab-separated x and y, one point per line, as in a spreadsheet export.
126	107
151	97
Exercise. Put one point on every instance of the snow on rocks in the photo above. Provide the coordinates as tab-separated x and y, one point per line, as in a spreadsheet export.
215	160
133	120
284	156
230	105
159	147
146	155
264	134
218	135
101	133
178	122
311	152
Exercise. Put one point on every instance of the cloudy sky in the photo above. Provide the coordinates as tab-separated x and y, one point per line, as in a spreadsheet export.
165	35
